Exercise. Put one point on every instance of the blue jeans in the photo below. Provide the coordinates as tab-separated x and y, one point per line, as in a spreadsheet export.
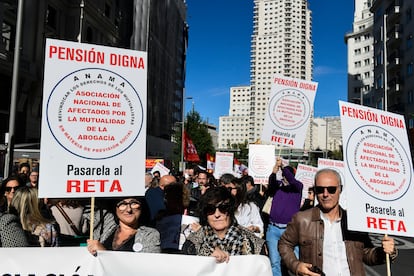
273	235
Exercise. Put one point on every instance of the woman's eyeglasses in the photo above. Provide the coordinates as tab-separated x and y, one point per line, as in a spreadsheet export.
9	189
321	190
223	208
123	205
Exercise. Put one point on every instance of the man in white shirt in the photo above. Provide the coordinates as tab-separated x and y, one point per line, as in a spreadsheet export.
324	240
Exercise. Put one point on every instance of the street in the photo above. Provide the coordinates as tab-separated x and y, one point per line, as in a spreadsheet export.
403	266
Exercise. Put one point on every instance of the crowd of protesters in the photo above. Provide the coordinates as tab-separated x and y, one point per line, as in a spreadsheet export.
196	214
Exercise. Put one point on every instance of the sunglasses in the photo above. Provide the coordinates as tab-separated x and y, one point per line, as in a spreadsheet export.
123	205
223	208
9	189
321	190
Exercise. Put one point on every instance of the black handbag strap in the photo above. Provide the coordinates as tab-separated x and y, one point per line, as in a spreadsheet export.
68	220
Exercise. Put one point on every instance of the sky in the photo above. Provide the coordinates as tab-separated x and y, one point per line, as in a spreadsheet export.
218	54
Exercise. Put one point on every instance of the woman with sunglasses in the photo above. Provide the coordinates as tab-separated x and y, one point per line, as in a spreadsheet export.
8	187
220	236
130	235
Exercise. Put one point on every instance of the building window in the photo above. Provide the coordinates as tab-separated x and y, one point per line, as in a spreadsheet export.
410	97
409	42
51	17
410	69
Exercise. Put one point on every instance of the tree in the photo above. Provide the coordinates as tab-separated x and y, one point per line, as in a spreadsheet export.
197	130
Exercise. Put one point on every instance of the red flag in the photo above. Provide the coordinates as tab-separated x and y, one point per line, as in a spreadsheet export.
210	161
190	151
236	167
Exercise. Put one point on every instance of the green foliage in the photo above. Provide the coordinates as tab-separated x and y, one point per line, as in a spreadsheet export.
197	130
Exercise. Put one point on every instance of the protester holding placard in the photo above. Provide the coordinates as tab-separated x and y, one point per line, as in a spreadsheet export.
130	235
220	236
323	229
287	195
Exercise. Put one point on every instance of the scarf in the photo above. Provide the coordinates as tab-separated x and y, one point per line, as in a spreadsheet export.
233	243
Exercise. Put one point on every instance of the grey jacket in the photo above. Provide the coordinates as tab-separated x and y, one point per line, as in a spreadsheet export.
11	232
307	230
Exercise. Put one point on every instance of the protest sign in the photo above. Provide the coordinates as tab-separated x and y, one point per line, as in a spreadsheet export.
378	171
93	122
261	161
224	164
289	111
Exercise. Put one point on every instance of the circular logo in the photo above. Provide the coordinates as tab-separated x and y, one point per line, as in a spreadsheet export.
94	113
137	247
378	163
289	109
259	165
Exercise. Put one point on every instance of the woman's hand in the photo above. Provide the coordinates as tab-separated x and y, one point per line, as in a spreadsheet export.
388	245
94	246
220	255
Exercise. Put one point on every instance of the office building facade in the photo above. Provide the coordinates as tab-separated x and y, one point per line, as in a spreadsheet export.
139	25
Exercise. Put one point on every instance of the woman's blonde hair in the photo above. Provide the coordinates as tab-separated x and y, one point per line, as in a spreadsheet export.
25	203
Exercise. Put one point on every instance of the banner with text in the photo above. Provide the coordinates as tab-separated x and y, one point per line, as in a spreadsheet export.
78	261
378	171
93	121
289	110
261	161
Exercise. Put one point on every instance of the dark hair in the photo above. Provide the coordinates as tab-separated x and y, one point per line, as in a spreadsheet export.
241	196
25	164
8	179
226	178
212	196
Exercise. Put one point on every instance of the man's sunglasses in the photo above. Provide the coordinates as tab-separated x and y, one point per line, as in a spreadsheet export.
320	190
9	189
223	208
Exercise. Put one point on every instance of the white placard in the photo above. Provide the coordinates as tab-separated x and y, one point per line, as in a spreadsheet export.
378	171
161	168
306	175
261	162
289	111
224	164
94	121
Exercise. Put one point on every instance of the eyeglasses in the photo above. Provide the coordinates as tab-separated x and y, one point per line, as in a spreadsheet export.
231	188
9	189
321	190
122	206
223	208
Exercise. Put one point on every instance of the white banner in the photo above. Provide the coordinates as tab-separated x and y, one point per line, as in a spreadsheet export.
78	261
289	111
261	161
378	171
93	121
339	166
224	164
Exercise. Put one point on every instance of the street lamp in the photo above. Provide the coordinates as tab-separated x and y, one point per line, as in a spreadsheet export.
182	163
